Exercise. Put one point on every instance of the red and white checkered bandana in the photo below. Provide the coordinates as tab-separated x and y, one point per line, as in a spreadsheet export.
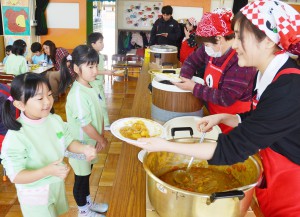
278	20
192	21
215	23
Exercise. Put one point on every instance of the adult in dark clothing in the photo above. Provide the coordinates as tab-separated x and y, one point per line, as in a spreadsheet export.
264	31
165	30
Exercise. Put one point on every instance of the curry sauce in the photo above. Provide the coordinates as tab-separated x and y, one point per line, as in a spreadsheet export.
204	180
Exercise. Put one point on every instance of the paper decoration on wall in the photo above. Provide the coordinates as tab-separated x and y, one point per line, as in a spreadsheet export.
9	40
16	20
141	15
20	3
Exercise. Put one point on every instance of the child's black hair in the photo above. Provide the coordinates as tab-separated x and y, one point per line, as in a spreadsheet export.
94	37
167	10
36	47
80	55
8	48
23	87
19	47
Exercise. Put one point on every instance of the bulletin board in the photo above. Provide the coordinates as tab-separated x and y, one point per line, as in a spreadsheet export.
138	15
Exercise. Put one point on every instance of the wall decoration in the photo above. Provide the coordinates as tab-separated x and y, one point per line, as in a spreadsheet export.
16	20
9	40
141	15
19	3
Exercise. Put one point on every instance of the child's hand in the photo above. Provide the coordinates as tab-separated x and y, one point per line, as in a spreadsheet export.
108	72
90	152
101	144
58	168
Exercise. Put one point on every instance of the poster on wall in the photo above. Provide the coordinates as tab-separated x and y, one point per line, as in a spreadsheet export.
9	40
19	3
16	20
141	15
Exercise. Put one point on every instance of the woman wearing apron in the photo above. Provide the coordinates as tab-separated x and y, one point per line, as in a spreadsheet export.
228	87
264	31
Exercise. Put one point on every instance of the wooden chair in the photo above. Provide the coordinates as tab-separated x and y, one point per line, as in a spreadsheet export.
134	65
6	78
119	63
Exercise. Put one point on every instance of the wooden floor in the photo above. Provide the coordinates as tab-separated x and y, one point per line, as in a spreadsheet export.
119	96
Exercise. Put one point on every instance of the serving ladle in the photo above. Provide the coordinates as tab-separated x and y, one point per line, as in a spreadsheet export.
183	176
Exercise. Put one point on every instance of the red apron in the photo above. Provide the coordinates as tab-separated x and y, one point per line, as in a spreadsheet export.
212	77
280	194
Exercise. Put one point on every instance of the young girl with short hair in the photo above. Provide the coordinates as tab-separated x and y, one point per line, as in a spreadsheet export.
34	147
85	118
16	63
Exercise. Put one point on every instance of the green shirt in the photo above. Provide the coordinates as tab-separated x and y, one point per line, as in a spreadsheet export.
83	108
36	145
16	64
100	78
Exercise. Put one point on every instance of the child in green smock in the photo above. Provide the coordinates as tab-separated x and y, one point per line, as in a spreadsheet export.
34	147
95	40
86	121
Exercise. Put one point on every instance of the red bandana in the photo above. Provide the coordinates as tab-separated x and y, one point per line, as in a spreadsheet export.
215	23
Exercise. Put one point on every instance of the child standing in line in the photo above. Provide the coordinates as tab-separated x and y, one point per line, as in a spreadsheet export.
188	44
16	63
34	147
85	118
7	52
95	40
39	56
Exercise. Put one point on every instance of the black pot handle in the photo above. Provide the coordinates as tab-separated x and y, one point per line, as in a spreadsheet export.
173	130
169	71
227	194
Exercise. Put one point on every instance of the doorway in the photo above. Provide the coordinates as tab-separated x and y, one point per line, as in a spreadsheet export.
104	21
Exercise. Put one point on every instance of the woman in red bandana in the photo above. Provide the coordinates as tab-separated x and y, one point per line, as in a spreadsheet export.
264	31
228	87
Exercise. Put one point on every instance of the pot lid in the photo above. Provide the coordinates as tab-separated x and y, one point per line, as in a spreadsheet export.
163	48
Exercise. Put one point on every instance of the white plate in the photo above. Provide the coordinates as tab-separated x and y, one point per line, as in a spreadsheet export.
168	76
141	155
119	72
155	129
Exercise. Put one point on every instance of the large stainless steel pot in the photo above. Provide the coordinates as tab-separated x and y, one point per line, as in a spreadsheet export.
170	201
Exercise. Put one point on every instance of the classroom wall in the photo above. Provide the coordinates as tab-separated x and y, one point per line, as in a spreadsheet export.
190	3
69	38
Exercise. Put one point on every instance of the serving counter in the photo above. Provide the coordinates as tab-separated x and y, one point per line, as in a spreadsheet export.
128	197
129	190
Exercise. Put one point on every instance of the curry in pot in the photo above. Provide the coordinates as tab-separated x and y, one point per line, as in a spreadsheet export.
204	180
